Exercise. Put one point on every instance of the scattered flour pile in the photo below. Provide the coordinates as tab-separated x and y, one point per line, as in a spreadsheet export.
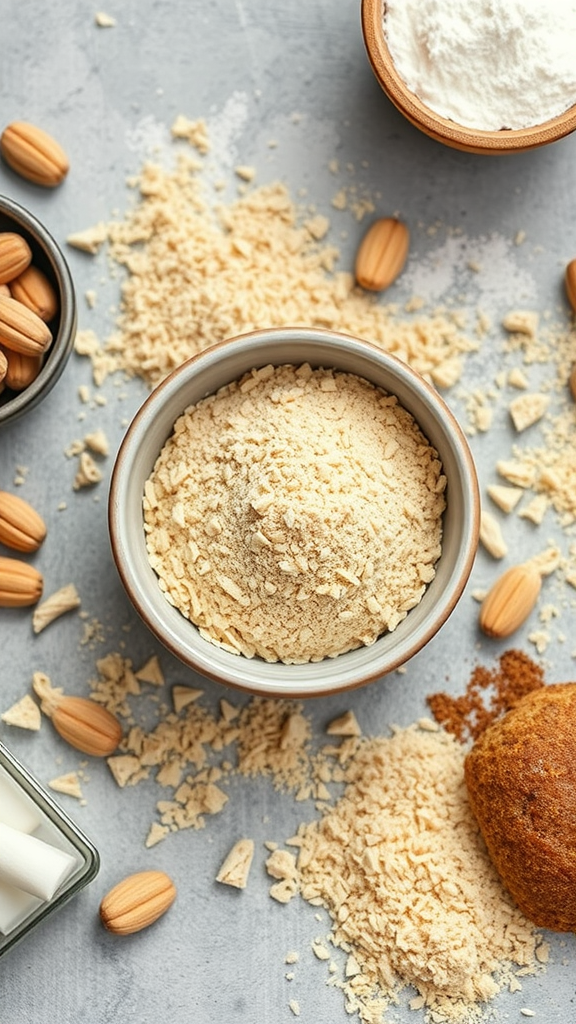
400	865
200	271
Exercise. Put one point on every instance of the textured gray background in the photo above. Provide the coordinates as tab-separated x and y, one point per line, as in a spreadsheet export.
109	95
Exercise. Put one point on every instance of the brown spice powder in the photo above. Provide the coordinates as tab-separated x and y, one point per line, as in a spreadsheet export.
489	694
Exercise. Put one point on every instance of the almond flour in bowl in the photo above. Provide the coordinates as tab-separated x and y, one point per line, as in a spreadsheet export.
296	514
206	375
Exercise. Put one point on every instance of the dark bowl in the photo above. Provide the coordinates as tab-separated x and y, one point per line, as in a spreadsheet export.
47	256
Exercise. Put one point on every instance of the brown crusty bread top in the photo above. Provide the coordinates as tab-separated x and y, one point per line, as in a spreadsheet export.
521	780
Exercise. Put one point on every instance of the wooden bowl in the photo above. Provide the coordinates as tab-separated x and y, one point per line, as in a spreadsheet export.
472	140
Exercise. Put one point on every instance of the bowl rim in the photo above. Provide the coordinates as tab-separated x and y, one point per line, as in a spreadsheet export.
63	342
442	129
288	680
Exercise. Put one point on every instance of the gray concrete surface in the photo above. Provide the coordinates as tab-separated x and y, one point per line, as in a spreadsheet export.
110	95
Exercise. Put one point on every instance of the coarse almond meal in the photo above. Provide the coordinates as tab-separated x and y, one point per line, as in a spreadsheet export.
199	271
295	515
400	865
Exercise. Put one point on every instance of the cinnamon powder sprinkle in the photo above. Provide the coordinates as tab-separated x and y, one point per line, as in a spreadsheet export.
490	693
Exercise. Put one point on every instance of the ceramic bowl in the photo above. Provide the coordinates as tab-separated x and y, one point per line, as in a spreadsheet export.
457	136
47	256
205	374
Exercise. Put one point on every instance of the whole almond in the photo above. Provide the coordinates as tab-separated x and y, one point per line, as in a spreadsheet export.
382	254
15	255
22	370
21	329
87	726
510	600
570	282
35	291
137	902
33	153
20	584
21	526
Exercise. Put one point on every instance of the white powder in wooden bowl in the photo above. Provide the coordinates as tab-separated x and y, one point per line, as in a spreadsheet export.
296	514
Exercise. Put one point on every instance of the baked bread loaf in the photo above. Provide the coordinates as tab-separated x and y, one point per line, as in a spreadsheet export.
521	780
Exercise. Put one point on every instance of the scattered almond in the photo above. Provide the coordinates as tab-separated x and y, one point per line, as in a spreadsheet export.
21	526
35	291
87	726
137	902
382	254
510	600
21	329
34	154
20	584
570	282
15	255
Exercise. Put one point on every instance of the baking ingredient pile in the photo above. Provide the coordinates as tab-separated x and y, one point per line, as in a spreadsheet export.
201	271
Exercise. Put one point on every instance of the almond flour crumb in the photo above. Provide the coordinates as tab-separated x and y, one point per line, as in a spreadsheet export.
68	784
97	442
64	600
346	725
103	20
236	866
151	672
184	695
505	497
521	322
156	834
236	542
195	132
88	472
528	409
245	172
89	240
24	714
517	379
320	951
491	535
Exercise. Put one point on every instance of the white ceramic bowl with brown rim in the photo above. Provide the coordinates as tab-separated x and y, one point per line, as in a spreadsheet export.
457	136
48	257
204	375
